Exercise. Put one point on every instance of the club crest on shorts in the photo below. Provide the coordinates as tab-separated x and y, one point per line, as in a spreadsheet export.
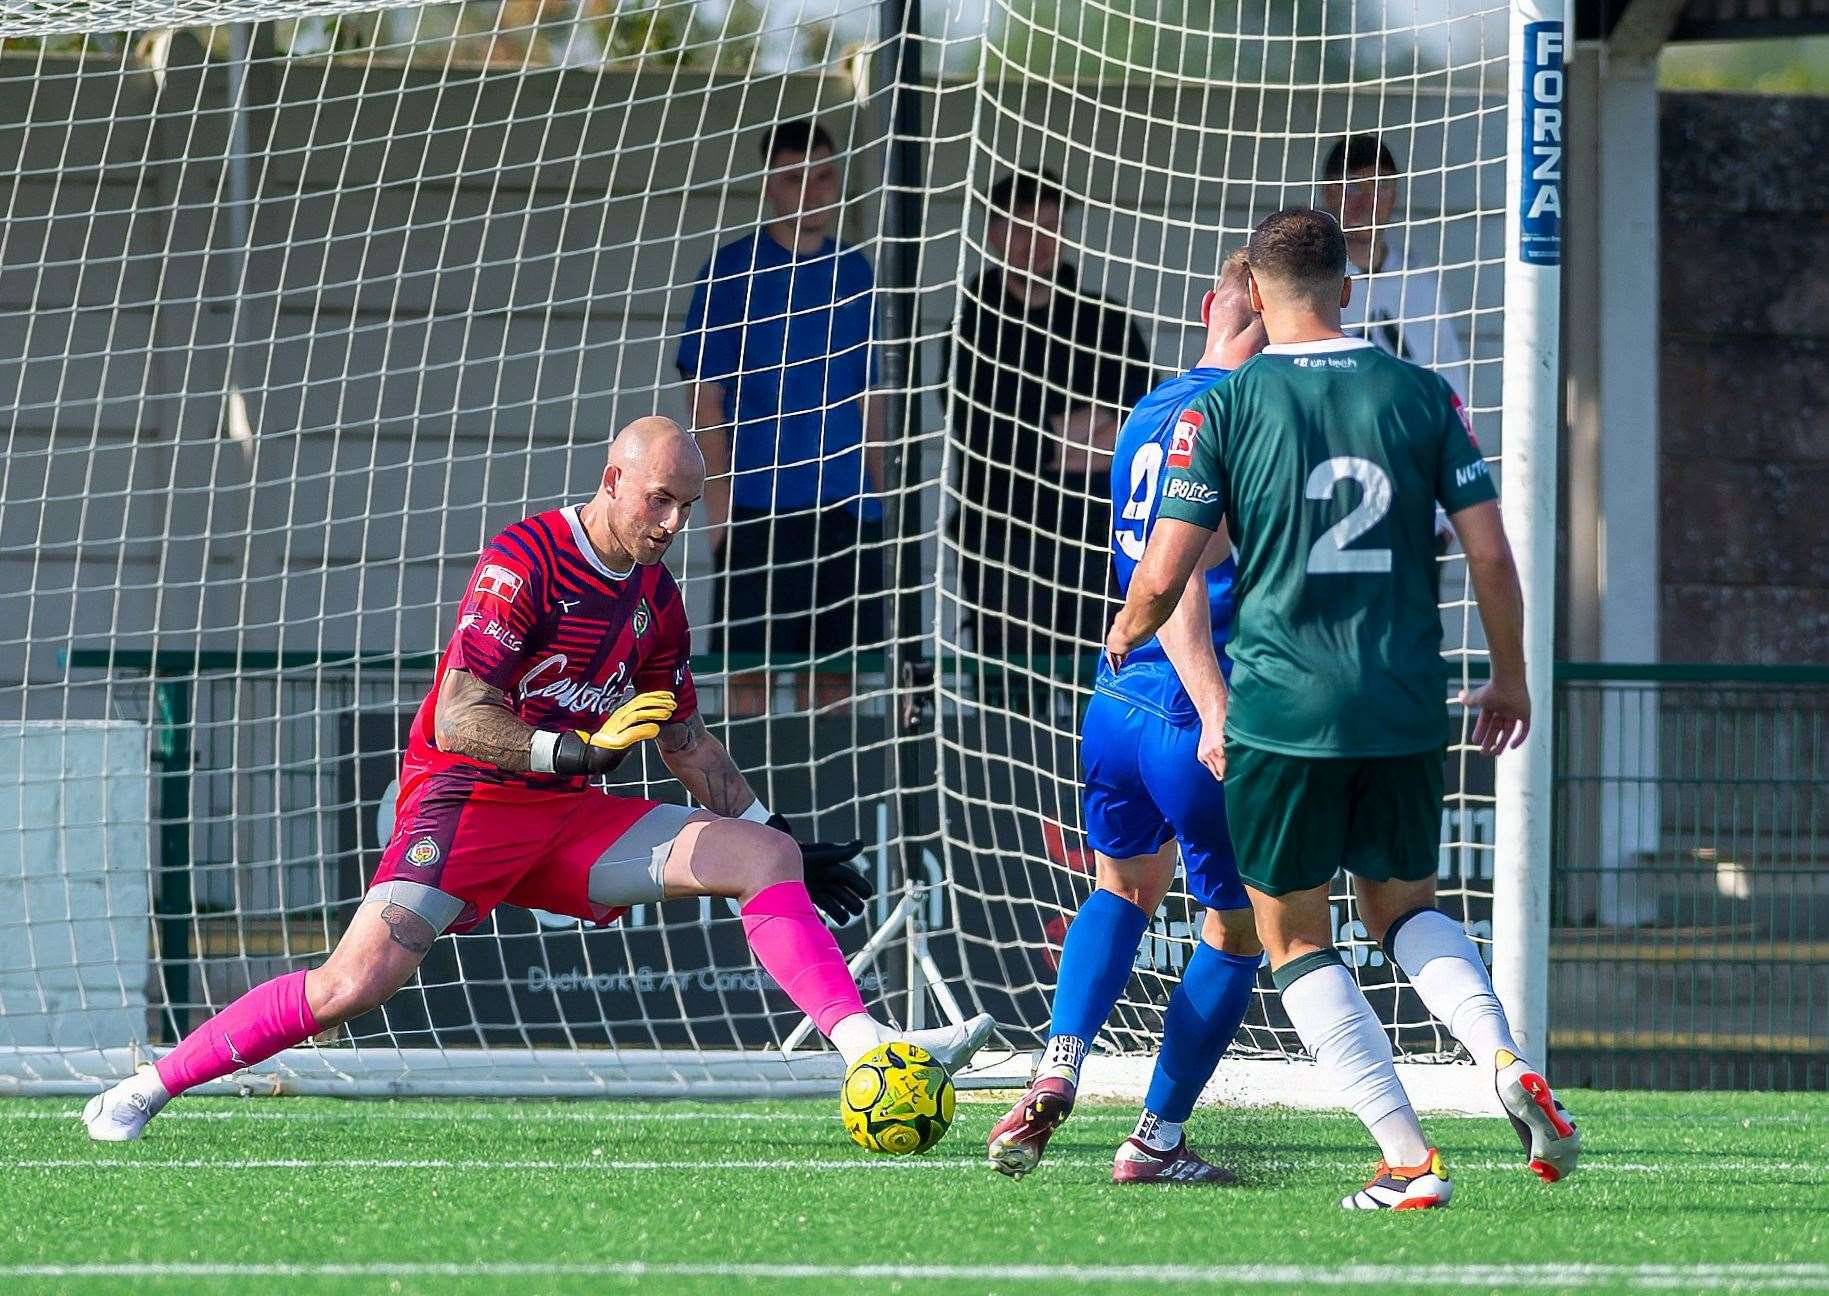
422	853
643	615
1181	446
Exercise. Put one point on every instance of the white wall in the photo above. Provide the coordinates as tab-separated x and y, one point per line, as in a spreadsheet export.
75	885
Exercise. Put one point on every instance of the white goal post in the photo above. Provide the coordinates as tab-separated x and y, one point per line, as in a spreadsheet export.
301	302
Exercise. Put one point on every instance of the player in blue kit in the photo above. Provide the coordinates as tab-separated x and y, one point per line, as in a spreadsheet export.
1152	750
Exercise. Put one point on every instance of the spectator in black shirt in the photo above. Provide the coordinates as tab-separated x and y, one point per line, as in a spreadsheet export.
1043	372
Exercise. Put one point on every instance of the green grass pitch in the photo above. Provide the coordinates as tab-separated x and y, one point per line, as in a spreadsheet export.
1677	1193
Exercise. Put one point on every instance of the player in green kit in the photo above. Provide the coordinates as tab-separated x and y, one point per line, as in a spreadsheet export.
1327	457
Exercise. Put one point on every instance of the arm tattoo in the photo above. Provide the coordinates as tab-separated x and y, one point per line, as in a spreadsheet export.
700	762
683	737
473	719
726	791
407	929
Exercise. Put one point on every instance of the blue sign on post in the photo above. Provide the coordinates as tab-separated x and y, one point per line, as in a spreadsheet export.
1540	196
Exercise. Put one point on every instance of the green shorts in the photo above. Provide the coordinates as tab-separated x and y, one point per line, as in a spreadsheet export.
1296	820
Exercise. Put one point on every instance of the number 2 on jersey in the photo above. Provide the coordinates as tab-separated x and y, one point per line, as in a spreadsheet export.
1330	553
1133	522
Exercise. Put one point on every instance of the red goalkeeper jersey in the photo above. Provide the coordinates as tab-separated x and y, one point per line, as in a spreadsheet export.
567	639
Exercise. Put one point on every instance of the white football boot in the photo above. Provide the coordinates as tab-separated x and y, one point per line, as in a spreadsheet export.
1417	1187
1550	1138
120	1114
952	1046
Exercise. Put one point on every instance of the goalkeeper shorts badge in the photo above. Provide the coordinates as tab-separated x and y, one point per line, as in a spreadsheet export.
422	853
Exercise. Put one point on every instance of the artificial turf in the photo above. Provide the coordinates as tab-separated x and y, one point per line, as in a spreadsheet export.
1677	1192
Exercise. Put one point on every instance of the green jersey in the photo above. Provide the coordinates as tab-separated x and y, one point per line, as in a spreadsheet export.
1327	459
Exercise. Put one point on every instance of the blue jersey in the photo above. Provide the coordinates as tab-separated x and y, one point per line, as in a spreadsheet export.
1145	445
789	338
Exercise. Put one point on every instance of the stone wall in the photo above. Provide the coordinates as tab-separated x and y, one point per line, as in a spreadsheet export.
1745	378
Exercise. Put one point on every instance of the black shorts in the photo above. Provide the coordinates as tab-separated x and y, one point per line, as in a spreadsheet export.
794	586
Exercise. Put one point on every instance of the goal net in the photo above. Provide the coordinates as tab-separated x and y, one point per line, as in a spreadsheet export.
301	303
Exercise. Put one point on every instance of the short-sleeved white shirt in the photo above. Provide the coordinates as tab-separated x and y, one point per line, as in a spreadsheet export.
1403	310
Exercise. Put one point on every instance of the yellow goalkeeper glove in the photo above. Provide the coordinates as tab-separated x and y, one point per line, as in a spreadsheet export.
635	721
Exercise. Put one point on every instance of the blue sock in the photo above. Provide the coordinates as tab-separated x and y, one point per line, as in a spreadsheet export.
1096	960
1203	1015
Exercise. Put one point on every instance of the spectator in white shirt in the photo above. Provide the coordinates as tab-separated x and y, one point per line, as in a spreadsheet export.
1398	301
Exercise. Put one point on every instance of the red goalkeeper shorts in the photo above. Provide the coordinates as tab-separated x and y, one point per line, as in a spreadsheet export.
463	846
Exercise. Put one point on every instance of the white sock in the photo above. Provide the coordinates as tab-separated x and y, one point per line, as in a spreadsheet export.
1445	967
1064	1056
145	1081
1339	1030
1400	1138
856	1035
1155	1133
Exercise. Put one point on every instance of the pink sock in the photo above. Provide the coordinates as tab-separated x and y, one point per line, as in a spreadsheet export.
272	1016
794	945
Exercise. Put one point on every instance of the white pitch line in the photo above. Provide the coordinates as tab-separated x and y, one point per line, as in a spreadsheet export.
497	1114
442	1163
362	1110
1590	1167
1500	1276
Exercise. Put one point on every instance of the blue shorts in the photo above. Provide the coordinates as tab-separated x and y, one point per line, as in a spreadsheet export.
1143	785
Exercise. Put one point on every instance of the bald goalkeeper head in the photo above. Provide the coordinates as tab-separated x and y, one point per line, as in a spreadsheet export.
654	476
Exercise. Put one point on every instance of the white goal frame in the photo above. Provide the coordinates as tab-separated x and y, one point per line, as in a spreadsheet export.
913	946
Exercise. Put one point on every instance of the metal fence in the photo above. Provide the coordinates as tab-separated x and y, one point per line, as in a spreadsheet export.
1690	946
1690	938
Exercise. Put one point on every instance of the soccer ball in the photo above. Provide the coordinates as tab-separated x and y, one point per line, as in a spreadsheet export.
897	1099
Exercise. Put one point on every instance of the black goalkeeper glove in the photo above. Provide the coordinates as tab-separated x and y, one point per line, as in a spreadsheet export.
574	755
837	886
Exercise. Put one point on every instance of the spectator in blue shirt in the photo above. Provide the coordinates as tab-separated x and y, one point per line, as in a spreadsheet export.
778	349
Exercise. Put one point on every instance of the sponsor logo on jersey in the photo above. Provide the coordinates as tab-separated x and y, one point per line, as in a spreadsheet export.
494	629
422	853
499	582
641	619
1472	472
566	605
548	679
1181	444
1194	492
1325	362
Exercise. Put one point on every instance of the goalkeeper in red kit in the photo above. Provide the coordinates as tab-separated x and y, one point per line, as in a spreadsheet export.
571	647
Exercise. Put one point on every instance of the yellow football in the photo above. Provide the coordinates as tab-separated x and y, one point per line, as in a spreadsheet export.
897	1100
